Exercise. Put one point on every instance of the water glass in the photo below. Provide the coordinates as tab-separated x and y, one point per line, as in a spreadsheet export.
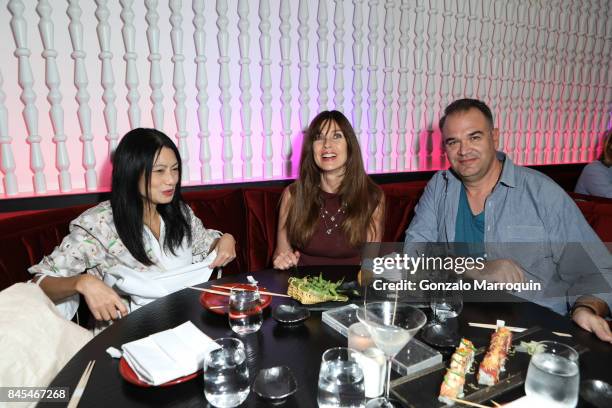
442	330
226	375
245	312
553	376
340	380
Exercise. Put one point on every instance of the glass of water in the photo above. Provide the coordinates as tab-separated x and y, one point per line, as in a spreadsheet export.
553	376
340	379
245	312
226	375
441	331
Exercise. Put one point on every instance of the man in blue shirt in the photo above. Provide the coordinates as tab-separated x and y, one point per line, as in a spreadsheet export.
484	198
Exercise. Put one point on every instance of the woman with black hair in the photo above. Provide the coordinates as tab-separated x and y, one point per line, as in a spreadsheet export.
145	230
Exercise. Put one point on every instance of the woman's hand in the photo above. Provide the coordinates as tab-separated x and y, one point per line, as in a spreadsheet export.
226	251
286	260
589	321
104	302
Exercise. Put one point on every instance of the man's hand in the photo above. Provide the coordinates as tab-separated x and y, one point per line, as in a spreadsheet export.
589	321
104	302
499	270
226	251
286	260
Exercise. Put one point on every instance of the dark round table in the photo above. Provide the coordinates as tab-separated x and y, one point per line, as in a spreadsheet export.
299	347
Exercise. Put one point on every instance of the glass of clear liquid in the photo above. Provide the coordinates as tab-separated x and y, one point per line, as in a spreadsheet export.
553	376
226	375
442	330
341	380
245	311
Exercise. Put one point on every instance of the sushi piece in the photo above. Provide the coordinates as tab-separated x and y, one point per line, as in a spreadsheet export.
452	387
495	360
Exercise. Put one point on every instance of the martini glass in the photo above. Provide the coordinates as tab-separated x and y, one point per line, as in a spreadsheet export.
391	325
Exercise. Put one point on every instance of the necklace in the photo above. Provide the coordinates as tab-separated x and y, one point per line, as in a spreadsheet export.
332	218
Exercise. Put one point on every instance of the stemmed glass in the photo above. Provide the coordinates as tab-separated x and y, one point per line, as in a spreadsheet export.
391	325
446	305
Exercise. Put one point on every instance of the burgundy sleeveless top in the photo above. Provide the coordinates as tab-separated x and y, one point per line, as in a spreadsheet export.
329	245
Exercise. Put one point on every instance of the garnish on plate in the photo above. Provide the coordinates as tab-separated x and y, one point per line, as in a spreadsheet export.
314	289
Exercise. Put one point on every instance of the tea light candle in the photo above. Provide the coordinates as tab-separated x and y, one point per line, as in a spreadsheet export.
372	362
359	337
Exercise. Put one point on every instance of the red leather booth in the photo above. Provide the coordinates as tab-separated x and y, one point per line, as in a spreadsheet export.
250	214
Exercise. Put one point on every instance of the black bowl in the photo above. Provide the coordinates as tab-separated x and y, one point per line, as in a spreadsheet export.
290	314
597	393
275	384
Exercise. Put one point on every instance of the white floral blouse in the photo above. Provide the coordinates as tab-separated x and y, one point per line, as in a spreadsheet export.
93	246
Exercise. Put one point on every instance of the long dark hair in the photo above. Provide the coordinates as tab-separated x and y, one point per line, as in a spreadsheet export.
133	158
357	191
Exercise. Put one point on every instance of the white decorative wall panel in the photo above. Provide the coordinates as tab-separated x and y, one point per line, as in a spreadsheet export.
248	76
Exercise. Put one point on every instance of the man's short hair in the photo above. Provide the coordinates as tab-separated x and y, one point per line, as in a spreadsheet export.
463	105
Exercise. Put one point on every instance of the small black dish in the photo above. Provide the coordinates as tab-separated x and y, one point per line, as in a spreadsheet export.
597	393
290	314
275	384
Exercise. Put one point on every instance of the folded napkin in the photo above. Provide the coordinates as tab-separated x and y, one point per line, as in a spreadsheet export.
145	287
170	354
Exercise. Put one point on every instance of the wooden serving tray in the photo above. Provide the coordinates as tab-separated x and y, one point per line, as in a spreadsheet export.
422	389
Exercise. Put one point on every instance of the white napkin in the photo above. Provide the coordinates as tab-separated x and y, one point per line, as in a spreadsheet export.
170	354
145	287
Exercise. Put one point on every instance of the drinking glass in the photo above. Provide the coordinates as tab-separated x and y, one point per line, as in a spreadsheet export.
245	312
392	325
226	375
446	305
340	379
553	376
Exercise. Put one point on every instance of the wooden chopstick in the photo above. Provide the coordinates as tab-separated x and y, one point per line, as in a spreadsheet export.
514	329
471	404
261	292
493	326
496	403
220	292
80	388
216	292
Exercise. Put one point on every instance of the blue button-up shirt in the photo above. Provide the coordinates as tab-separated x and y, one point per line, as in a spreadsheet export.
531	220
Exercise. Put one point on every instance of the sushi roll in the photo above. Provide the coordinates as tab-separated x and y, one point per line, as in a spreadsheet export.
454	379
495	360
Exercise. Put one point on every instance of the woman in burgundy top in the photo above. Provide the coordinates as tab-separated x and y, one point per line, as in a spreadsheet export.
333	207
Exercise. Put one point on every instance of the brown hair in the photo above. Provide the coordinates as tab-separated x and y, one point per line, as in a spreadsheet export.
358	193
